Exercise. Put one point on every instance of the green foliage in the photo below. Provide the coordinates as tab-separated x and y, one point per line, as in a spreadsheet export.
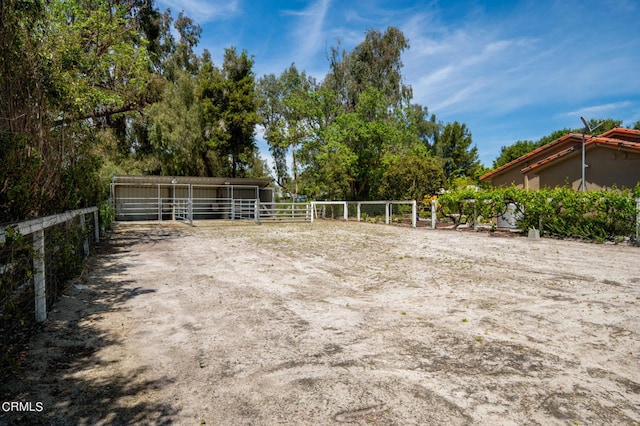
16	254
459	206
411	178
100	59
511	152
594	215
454	145
16	296
333	174
176	131
425	125
107	215
288	108
560	212
16	178
240	117
375	63
63	251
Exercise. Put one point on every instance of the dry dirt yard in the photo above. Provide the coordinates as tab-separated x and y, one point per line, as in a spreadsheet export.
339	323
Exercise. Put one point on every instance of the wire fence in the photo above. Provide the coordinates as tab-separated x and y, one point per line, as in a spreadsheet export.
37	258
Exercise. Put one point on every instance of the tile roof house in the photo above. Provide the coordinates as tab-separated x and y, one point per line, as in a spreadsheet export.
612	158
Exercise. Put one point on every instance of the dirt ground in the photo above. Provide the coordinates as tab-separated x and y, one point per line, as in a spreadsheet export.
339	323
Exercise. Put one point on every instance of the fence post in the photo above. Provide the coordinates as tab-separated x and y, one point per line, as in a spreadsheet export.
96	226
475	215
638	221
414	214
256	211
346	211
358	211
434	211
85	237
387	213
39	284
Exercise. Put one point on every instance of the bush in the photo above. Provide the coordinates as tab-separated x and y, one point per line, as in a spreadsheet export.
561	212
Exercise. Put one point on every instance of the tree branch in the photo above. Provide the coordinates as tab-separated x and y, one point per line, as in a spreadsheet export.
133	106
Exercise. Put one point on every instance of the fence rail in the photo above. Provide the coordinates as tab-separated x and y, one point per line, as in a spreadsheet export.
189	210
285	212
37	229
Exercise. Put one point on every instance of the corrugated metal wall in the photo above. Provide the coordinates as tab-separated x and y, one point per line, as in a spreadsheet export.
136	201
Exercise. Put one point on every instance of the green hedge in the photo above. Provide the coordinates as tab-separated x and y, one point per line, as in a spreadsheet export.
561	212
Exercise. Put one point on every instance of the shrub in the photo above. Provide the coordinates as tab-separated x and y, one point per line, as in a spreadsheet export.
561	212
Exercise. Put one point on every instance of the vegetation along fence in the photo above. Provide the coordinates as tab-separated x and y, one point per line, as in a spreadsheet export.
562	212
36	258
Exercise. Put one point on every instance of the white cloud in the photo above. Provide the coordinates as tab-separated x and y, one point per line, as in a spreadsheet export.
309	33
203	11
466	69
598	110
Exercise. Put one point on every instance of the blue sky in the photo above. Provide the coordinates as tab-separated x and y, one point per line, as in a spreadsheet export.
509	70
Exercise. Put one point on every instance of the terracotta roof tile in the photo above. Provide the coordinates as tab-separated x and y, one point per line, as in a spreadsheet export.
553	144
617	137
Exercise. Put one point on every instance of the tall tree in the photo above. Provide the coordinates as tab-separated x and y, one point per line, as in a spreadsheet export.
66	67
425	125
365	140
286	109
179	55
375	63
235	114
454	146
177	130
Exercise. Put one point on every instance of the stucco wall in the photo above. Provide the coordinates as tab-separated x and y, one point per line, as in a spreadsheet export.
610	167
510	177
606	168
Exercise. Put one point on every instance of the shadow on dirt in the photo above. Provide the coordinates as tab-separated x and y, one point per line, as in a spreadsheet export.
63	379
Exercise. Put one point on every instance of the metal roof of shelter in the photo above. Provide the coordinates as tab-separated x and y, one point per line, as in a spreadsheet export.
191	180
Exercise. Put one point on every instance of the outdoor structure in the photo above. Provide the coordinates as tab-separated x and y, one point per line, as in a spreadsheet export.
612	159
187	198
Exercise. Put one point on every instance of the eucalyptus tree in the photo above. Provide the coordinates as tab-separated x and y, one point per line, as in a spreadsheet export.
375	63
238	114
176	130
289	115
375	122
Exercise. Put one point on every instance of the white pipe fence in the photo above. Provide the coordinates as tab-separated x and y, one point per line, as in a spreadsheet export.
37	227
